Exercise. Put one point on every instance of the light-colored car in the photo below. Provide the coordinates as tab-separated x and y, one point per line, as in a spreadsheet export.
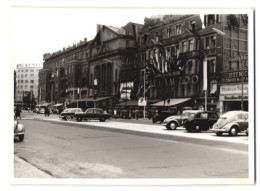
231	122
69	113
19	130
172	122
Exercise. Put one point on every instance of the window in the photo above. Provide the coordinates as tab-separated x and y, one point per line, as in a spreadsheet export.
90	111
21	75
91	78
26	70
98	111
192	25
31	87
169	32
157	36
32	75
207	43
191	44
178	29
116	75
197	44
212	66
32	81
184	46
26	86
21	81
127	43
32	70
26	81
204	115
213	41
26	75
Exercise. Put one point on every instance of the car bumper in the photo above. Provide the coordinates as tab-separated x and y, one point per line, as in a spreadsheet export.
219	130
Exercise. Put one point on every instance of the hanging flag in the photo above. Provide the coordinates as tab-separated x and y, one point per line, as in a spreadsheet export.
205	74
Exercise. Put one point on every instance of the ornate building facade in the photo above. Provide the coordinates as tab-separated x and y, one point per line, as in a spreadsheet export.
178	59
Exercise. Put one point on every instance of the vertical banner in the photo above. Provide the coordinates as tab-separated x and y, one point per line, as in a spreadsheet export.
205	75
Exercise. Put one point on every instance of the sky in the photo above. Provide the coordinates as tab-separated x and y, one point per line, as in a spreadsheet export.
35	31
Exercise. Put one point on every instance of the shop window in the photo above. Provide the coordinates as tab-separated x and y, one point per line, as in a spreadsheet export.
192	25
213	88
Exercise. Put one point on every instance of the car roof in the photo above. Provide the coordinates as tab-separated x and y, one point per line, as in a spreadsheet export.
229	113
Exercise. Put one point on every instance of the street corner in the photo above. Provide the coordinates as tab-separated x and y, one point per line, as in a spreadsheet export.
23	169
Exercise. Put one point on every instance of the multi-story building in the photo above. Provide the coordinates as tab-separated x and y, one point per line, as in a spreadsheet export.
182	60
27	82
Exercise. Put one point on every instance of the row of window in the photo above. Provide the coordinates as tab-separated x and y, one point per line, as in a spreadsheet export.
25	75
27	70
24	87
25	81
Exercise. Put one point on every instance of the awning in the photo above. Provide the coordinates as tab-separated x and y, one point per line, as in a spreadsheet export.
58	104
45	104
172	102
135	102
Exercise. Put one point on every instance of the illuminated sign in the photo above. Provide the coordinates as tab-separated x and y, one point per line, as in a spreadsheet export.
234	89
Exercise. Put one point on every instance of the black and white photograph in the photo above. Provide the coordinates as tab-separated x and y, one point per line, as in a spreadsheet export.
132	95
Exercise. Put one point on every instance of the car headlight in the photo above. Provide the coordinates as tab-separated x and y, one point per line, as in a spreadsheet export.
20	127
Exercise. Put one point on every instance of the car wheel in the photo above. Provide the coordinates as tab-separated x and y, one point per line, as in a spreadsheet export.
68	118
102	119
21	138
219	133
172	126
233	131
79	119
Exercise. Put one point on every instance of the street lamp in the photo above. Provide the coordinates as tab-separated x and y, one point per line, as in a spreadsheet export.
225	35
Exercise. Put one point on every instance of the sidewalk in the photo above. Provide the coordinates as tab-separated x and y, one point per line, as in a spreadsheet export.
23	169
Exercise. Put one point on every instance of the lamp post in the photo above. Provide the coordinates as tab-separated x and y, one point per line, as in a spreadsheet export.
225	35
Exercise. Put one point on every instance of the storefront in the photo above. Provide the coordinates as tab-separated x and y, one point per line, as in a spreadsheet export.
231	97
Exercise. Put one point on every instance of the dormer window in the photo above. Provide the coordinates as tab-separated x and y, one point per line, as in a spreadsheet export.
192	25
169	32
178	29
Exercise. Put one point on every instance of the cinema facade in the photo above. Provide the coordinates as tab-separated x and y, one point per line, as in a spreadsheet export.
171	61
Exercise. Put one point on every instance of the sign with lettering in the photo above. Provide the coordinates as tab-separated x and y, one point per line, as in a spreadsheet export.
233	89
234	77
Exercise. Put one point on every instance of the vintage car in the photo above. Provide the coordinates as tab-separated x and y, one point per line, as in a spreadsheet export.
172	122
19	130
200	121
92	113
231	122
69	113
162	116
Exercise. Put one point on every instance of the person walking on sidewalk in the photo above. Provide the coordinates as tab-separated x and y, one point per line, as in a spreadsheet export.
47	112
17	112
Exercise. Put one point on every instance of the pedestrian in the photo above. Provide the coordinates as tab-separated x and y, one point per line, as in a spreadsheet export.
17	112
47	112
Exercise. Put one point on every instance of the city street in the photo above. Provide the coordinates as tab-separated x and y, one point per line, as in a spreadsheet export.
111	149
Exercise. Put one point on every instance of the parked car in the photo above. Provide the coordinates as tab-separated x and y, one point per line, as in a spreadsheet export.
172	122
231	122
36	110
200	121
92	113
69	113
19	130
41	111
162	116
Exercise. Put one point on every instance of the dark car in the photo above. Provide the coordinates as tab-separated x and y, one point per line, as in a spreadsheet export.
92	113
162	116
69	113
231	122
200	121
172	122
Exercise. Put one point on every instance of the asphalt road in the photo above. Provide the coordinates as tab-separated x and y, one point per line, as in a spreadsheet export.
65	150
